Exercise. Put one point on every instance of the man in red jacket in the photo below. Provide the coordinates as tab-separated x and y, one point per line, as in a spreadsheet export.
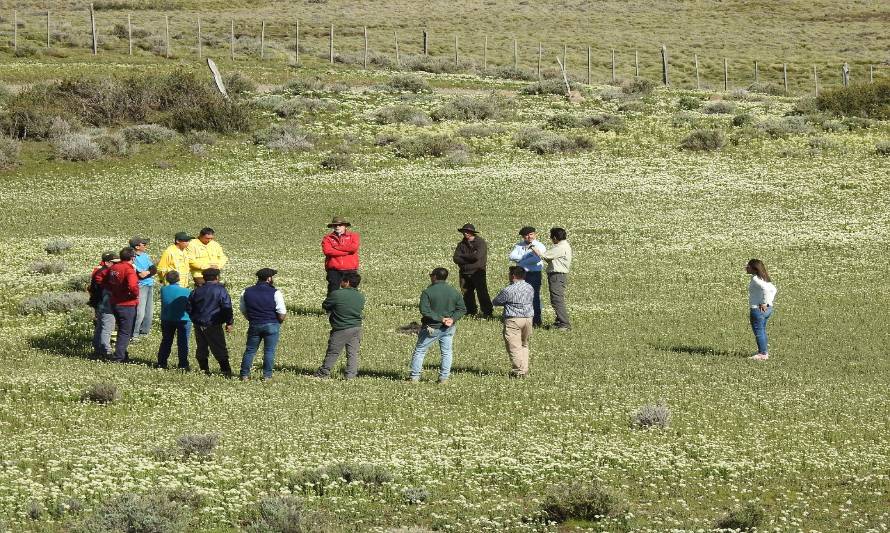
122	284
340	248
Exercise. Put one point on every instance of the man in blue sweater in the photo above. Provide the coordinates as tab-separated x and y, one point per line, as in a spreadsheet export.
175	321
263	307
210	309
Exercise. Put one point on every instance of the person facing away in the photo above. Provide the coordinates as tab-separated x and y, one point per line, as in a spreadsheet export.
522	255
121	282
175	321
340	248
345	307
441	306
263	307
517	299
210	309
761	295
146	271
205	252
103	324
176	257
559	261
471	257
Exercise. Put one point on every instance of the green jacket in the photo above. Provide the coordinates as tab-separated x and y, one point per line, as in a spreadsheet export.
441	300
346	307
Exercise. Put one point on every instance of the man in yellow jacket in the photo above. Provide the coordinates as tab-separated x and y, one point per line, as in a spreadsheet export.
205	253
176	257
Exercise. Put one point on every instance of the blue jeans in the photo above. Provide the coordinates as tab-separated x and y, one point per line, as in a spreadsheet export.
758	325
181	330
425	339
144	310
534	279
268	333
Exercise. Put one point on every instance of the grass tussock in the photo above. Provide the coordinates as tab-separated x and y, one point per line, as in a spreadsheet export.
136	513
197	445
57	246
586	501
401	114
651	416
408	83
544	142
285	513
470	108
102	392
54	302
418	146
747	517
704	140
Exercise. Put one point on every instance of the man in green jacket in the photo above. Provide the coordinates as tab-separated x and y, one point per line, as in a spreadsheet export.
441	306
345	307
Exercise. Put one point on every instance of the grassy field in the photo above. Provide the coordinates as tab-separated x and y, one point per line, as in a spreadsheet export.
657	294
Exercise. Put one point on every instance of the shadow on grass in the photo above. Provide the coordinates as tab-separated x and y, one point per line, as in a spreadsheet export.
395	375
72	340
699	350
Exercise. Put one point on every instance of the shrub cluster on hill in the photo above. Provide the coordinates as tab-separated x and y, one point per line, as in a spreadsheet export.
866	100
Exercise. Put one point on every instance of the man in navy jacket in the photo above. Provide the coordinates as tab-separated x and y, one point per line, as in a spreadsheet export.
210	308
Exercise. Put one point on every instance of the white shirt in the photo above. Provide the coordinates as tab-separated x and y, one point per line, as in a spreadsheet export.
761	292
523	256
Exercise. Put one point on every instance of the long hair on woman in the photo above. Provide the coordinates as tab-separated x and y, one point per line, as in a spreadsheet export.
758	267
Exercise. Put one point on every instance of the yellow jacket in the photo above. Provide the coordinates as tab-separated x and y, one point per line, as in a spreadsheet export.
175	259
204	255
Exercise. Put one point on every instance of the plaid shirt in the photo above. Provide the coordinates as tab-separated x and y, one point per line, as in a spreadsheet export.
517	300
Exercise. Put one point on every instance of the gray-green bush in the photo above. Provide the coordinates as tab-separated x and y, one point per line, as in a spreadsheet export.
425	145
408	83
148	133
103	392
285	514
479	130
54	302
415	495
57	246
9	151
882	148
79	282
76	147
48	267
747	517
719	107
285	137
490	107
113	144
689	103
401	114
136	513
197	445
656	416
587	501
703	140
547	142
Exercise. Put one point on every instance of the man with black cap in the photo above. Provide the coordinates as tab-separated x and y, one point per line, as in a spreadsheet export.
340	248
145	271
210	309
176	257
524	257
471	257
263	307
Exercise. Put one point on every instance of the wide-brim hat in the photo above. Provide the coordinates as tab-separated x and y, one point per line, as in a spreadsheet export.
339	221
467	228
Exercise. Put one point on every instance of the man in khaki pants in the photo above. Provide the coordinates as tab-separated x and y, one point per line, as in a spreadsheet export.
517	299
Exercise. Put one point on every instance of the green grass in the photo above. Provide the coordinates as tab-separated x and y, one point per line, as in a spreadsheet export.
657	295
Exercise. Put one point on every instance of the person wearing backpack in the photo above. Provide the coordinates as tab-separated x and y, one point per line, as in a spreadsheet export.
103	324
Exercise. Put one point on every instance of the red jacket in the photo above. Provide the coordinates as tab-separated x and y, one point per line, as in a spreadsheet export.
341	251
122	283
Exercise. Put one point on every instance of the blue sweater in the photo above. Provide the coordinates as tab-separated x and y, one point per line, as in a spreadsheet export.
174	300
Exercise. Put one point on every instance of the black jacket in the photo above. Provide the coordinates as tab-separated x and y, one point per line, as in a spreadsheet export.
471	256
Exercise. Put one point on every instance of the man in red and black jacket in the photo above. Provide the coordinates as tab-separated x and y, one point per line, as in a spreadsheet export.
340	248
122	284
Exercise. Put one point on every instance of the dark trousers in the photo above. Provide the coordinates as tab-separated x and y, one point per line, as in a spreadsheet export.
473	285
170	329
557	282
351	339
212	339
534	279
334	277
125	317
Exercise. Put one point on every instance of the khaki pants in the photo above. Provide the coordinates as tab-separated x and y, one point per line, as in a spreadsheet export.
517	332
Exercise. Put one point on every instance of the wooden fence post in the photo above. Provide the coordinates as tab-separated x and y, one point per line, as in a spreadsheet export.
485	54
331	44
871	74
232	40
636	64
263	40
665	75
845	73
297	44
456	53
15	30
129	34
365	29
426	42
398	59
93	29
785	76
725	75
613	65
47	28
540	52
755	71
515	55
588	65
697	78
565	64
200	49
816	81
167	35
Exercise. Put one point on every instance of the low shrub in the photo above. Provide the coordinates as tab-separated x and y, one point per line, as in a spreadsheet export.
684	119
434	64
103	392
857	123
237	84
456	158
79	282
54	302
866	100
294	106
317	480
511	73
747	517
564	120
58	127
48	267
215	113
632	106
197	445
805	106
882	148
136	513
703	140
148	134
423	145
415	495
337	160
547	142
833	126
689	103
285	137
57	246
651	416
9	151
113	144
605	122
785	126
637	86
305	86
719	107
767	88
285	514
818	144
548	86
66	506
742	119
408	83
490	107
588	501
401	114
386	139
200	137
478	130
269	102
76	147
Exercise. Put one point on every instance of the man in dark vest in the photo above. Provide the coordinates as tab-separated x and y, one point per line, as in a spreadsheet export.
263	307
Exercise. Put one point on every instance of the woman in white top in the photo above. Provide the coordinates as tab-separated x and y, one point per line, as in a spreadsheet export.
761	293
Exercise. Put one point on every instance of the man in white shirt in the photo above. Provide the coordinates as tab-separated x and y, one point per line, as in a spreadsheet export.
522	255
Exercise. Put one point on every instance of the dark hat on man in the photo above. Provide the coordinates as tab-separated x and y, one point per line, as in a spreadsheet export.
110	256
339	221
265	273
182	236
138	241
526	230
467	228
